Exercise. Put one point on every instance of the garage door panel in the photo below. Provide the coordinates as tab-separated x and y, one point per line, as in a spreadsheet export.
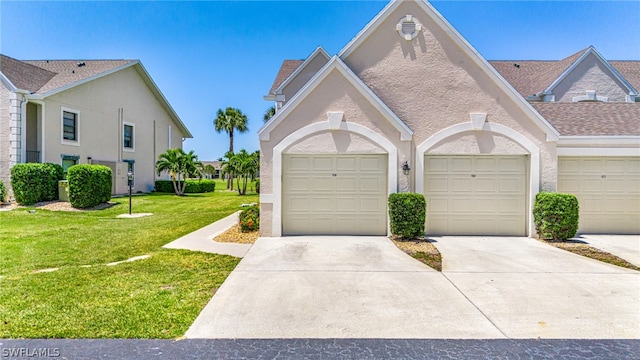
330	194
346	184
298	183
461	185
346	203
323	163
298	164
476	195
460	165
609	192
437	184
372	164
346	164
485	205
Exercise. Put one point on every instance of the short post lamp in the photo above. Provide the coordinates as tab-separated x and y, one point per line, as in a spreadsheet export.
405	168
130	178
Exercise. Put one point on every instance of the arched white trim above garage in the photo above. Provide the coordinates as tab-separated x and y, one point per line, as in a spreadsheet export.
534	152
291	139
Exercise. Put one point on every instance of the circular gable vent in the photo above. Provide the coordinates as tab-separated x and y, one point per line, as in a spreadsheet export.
408	27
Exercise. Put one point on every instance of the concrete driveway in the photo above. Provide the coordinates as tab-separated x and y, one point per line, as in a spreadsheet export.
364	287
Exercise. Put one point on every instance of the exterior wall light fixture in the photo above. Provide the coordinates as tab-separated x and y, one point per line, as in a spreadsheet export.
405	168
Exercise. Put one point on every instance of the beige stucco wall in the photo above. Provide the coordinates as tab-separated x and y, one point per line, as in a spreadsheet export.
432	84
4	134
334	93
311	68
590	74
100	129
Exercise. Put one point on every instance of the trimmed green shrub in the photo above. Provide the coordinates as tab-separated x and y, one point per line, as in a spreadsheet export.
193	186
249	219
3	192
556	215
407	214
33	182
207	185
89	185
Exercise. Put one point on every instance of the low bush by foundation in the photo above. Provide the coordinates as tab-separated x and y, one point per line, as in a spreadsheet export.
556	215
249	219
407	214
89	185
32	182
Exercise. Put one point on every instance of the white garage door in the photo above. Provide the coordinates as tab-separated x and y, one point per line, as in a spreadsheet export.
476	195
608	190
334	194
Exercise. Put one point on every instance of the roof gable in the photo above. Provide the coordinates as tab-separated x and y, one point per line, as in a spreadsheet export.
591	52
319	51
286	69
460	43
336	64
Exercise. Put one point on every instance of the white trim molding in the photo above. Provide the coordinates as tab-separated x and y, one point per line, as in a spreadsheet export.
336	64
589	141
276	196
63	141
534	153
598	151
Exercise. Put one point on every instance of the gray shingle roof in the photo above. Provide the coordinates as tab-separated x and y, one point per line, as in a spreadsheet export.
43	76
287	68
592	118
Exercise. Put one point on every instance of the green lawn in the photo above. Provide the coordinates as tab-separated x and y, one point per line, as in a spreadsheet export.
157	297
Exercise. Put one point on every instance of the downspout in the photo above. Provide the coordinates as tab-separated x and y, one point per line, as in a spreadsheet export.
23	125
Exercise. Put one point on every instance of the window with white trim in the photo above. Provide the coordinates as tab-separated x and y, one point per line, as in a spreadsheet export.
128	139
70	126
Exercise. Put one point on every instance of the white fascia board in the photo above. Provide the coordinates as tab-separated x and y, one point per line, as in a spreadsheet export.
551	133
5	80
163	100
336	64
318	51
623	141
603	61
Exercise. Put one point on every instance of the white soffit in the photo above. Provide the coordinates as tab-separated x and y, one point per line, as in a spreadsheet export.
336	64
318	51
463	44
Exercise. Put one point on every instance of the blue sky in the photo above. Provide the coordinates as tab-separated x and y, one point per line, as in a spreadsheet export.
206	55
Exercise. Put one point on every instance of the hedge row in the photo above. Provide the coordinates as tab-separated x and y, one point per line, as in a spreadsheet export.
89	185
556	215
193	186
33	183
407	214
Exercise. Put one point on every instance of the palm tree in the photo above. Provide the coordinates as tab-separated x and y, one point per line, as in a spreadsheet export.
226	167
269	114
179	165
230	120
246	166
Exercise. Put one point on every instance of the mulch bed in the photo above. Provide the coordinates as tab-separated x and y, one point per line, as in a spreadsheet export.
581	248
55	206
234	235
421	249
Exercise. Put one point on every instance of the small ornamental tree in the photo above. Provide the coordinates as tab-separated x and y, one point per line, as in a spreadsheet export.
179	165
407	214
556	215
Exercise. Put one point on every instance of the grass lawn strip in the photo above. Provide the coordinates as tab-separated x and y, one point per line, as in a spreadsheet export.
422	250
234	235
580	248
156	297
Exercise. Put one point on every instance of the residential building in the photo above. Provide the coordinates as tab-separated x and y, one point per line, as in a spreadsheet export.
410	105
71	112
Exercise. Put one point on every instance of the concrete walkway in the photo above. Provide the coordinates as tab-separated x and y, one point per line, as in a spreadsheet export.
364	287
626	247
202	239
